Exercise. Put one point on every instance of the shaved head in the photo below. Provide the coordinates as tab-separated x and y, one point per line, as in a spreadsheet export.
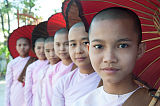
49	39
28	40
61	31
114	13
77	25
40	40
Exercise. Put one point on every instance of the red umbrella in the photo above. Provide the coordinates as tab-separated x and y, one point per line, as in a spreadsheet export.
148	67
69	7
55	22
40	31
24	31
64	7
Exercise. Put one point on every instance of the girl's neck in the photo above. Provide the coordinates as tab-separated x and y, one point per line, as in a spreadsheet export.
24	56
67	61
42	59
86	69
125	86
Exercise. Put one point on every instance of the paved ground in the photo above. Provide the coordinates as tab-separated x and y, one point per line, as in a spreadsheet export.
2	86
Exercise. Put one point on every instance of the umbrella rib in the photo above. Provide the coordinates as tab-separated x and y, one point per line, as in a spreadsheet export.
147	25
142	5
156	82
156	38
153	4
152	48
128	7
145	18
149	66
138	16
156	15
151	32
156	24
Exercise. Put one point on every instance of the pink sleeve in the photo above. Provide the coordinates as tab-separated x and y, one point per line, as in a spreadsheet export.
9	80
28	87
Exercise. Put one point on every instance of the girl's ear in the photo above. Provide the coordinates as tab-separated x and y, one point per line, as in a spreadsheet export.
88	47
141	50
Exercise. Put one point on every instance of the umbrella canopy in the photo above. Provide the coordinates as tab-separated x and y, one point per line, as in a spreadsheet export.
147	68
64	7
55	22
69	7
24	31
40	31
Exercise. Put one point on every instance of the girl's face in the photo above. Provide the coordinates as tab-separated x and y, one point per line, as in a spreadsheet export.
78	40
23	47
50	53
61	45
114	49
39	50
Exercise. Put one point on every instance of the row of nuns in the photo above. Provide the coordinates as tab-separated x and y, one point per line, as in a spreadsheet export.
81	60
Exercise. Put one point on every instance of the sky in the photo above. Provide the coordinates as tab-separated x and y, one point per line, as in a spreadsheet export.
47	7
46	10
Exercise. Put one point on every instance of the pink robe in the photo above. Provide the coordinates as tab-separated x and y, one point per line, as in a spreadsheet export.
31	81
52	75
14	89
72	86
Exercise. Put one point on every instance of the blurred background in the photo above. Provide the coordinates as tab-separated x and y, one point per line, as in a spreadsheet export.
17	13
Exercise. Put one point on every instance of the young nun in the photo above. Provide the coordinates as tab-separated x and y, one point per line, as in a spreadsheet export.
115	44
43	93
83	79
14	79
32	72
61	47
63	67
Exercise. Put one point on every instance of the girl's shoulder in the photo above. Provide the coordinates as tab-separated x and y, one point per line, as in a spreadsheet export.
13	61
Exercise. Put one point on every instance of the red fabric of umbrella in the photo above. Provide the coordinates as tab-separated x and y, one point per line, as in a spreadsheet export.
24	31
71	13
40	31
148	67
64	7
55	22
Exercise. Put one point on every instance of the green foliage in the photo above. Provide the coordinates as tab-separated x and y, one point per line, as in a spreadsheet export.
4	8
4	49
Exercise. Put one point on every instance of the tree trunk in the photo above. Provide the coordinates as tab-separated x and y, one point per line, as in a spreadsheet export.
2	23
8	18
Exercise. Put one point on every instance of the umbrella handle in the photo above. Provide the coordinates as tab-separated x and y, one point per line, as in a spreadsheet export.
154	100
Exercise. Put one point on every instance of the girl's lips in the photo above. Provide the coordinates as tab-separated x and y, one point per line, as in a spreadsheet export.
80	58
110	70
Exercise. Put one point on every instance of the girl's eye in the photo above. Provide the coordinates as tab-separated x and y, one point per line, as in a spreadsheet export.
66	44
123	46
47	51
38	47
25	45
73	44
98	46
58	44
85	43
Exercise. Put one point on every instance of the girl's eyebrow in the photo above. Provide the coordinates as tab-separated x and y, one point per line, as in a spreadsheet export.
124	40
66	42
97	40
119	40
85	38
72	41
